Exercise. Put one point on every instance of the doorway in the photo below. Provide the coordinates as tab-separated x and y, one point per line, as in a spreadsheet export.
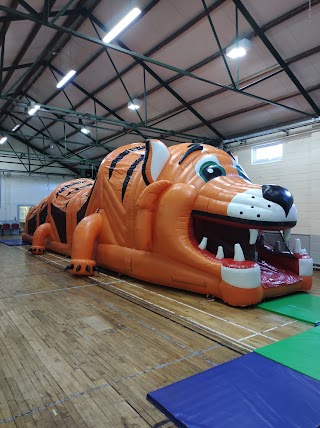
22	214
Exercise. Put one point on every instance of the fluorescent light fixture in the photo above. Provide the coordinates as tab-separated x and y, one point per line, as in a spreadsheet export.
33	108
3	140
122	25
16	127
237	50
134	104
84	130
66	79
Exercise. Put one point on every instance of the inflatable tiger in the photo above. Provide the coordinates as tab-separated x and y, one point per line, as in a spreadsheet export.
186	216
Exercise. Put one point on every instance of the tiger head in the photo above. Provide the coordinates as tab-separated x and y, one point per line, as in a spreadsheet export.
213	215
227	207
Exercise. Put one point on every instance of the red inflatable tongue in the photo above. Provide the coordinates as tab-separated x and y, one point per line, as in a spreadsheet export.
272	276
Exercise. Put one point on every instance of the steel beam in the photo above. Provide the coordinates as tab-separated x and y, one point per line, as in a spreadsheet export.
276	54
251	108
61	11
52	14
81	89
52	44
17	67
1	63
143	58
36	157
88	95
55	174
247	83
115	69
29	9
25	46
218	42
16	155
46	10
17	137
140	59
271	24
283	18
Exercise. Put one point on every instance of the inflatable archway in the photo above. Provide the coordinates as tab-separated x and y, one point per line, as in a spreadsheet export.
186	217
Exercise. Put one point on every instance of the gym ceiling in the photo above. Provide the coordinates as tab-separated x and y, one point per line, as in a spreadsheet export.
171	61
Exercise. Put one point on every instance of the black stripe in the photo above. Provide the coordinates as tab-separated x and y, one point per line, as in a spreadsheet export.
194	144
192	149
78	188
244	221
59	218
82	210
43	214
143	170
121	156
230	154
68	185
91	191
32	225
129	174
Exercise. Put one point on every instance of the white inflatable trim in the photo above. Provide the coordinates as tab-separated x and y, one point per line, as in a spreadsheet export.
242	278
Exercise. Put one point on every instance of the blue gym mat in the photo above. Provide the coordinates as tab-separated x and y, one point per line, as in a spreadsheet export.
13	242
248	392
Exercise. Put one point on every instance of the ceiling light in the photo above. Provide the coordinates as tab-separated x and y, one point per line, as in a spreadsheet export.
3	140
122	25
134	104
83	129
33	108
16	127
65	79
238	49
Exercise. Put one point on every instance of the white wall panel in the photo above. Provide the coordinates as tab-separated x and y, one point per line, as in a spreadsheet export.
299	171
21	189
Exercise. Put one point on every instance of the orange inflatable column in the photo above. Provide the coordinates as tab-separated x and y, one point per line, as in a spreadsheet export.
83	243
39	238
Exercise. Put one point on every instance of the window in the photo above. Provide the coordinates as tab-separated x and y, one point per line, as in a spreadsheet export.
267	153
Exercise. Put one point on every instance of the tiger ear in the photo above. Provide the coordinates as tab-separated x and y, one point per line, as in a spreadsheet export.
155	159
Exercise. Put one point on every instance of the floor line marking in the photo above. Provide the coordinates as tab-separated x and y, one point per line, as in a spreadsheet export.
110	284
282	325
175	301
183	318
53	290
105	385
192	307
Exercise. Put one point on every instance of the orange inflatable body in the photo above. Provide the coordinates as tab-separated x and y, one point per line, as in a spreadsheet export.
186	217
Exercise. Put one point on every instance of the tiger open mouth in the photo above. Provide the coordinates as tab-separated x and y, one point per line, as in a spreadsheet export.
215	237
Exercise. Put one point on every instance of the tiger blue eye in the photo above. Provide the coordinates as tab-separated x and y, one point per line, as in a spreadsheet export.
209	171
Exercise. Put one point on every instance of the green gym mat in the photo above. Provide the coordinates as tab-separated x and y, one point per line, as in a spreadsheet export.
303	307
300	352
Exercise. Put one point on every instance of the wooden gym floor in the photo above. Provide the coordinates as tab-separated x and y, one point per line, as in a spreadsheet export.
78	352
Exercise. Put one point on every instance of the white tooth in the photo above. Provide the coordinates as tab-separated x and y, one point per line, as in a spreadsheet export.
286	235
238	253
297	246
220	253
203	243
253	236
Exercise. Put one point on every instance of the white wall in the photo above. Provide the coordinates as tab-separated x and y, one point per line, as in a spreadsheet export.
299	171
22	189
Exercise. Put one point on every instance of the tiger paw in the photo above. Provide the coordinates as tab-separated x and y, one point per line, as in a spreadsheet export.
37	249
82	267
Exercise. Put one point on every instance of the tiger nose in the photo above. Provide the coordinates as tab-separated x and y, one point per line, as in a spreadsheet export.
279	195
